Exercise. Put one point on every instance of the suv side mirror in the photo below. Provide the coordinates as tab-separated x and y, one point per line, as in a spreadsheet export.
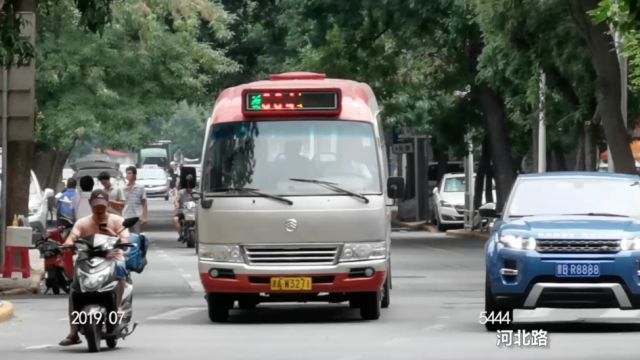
488	210
395	187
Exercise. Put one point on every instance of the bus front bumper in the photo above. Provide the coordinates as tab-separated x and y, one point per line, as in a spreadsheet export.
348	277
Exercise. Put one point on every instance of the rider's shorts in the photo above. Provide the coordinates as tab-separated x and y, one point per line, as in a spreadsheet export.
121	270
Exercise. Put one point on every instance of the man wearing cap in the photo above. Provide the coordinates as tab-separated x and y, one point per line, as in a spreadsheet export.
91	225
116	195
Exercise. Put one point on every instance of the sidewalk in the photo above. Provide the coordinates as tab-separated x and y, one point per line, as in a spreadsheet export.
468	234
16	285
413	226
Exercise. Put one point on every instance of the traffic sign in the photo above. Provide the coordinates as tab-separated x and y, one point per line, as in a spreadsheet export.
402	148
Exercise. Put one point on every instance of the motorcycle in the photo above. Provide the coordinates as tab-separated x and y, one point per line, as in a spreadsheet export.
188	225
58	265
94	291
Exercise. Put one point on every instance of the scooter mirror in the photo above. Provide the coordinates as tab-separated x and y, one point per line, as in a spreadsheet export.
129	222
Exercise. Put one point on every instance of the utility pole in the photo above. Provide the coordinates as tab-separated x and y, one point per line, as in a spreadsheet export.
542	129
469	184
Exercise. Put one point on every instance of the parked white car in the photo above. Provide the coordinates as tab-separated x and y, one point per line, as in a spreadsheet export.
448	201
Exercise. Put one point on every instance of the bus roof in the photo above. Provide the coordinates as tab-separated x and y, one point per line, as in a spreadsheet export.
357	99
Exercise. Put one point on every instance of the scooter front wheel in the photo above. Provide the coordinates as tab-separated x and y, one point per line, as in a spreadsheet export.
92	334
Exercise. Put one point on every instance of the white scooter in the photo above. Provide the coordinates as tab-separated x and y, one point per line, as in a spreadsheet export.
94	291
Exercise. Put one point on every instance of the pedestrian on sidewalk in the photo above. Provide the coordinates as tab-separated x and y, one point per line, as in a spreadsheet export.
64	203
135	200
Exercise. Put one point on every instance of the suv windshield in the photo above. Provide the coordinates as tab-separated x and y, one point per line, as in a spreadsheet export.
265	155
563	196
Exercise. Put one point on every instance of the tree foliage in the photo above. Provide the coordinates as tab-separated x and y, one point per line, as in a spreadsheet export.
111	88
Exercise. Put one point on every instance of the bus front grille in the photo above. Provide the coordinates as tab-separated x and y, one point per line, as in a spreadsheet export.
292	254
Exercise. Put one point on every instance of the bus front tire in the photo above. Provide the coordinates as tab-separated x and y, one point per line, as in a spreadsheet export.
219	306
370	305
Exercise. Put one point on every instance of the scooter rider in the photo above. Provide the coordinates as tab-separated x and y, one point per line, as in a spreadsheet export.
184	195
91	225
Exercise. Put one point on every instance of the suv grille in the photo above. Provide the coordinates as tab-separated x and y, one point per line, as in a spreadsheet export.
577	246
292	254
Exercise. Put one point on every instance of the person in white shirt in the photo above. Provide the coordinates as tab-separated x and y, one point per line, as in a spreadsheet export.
81	207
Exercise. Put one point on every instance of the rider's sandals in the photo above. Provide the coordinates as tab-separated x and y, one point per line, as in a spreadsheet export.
70	340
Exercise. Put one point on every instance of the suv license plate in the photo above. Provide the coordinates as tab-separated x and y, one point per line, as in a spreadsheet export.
290	283
578	270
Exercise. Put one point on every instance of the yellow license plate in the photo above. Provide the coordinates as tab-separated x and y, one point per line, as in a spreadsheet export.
290	283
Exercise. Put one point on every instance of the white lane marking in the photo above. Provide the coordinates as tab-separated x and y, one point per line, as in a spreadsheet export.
434	327
186	275
196	286
176	314
63	319
37	347
397	341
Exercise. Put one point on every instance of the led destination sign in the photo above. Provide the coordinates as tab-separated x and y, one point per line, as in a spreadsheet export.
292	101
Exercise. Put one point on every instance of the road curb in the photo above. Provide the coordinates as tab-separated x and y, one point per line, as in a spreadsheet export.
468	234
6	310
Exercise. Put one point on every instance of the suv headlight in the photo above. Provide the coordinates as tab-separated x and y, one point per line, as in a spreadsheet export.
518	242
222	253
364	251
445	204
630	244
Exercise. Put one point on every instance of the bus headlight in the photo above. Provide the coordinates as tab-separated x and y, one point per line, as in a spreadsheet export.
364	251
222	253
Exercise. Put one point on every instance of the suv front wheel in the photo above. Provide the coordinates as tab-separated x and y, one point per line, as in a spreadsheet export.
496	313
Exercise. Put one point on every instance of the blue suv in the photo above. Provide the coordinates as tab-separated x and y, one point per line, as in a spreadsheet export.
564	240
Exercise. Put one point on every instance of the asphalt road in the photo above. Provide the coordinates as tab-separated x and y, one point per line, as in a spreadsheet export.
436	302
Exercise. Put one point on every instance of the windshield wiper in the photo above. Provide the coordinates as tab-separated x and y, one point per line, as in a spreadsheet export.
332	186
600	214
256	192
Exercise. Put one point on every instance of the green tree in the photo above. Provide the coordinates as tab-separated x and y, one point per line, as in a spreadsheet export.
185	128
110	88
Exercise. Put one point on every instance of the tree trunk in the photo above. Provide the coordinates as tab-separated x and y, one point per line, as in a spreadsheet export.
496	124
561	162
590	153
442	157
608	92
19	156
500	146
580	150
48	165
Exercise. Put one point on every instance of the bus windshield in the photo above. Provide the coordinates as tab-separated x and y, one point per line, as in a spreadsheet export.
265	155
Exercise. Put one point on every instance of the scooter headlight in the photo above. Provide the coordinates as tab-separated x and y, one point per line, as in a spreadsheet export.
91	282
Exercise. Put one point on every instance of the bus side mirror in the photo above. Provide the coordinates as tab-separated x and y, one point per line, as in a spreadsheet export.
187	177
206	203
395	187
